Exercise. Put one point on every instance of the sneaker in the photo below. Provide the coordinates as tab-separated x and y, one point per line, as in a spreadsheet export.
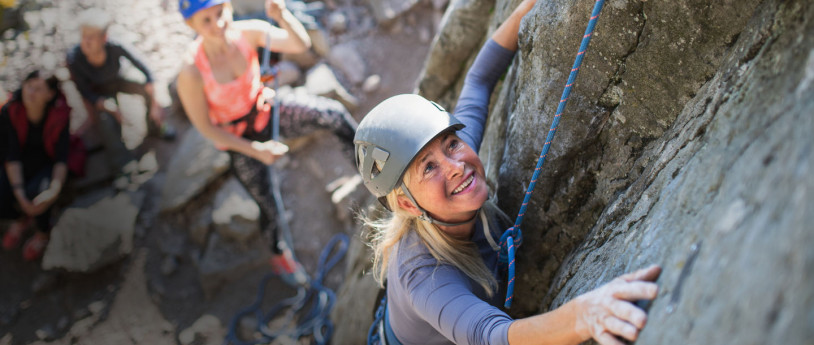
15	232
35	246
284	265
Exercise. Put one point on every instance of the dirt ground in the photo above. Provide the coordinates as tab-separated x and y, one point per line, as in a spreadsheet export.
132	301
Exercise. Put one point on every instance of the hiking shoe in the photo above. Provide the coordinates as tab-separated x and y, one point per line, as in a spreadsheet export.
15	232
284	265
35	246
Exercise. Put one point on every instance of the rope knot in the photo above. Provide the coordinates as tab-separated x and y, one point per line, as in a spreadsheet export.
517	239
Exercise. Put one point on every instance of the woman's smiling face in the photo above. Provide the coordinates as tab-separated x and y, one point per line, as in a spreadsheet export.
447	179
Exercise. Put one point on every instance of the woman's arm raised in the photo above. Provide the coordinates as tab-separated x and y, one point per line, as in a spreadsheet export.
290	37
506	33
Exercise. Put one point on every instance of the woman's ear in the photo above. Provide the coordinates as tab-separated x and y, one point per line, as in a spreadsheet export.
407	205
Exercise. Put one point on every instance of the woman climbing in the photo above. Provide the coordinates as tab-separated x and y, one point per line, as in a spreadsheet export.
34	128
437	249
221	91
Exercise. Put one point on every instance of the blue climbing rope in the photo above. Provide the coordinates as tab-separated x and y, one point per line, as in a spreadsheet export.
313	322
310	291
512	238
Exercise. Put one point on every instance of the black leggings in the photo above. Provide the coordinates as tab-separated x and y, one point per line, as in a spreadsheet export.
300	114
9	208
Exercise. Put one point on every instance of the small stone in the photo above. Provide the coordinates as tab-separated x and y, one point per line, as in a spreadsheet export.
337	22
371	83
203	331
49	61
96	307
47	332
63	73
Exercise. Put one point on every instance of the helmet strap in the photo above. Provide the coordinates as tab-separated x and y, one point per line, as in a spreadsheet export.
426	216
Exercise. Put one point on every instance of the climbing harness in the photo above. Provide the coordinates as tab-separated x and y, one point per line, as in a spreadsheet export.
310	291
513	237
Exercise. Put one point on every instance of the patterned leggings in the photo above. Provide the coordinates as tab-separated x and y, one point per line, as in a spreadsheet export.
300	114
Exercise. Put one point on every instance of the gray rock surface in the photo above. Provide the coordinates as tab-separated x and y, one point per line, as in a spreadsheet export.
320	80
223	262
686	143
356	298
85	239
460	36
196	163
206	330
235	214
347	59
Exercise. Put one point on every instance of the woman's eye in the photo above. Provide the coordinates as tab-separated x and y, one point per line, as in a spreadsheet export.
428	168
454	143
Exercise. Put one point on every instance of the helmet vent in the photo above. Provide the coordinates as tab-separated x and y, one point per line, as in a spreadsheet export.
379	159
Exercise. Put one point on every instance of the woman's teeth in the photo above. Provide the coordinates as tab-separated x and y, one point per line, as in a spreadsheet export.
463	186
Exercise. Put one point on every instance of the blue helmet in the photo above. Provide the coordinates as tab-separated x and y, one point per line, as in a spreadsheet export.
189	7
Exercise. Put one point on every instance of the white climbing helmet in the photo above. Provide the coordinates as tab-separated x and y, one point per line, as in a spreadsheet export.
391	135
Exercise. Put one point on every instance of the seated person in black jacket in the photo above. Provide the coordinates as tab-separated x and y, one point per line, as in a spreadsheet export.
34	128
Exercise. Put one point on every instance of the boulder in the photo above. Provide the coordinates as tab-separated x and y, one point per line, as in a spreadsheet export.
460	36
357	296
321	80
86	239
196	163
347	59
224	261
235	214
206	330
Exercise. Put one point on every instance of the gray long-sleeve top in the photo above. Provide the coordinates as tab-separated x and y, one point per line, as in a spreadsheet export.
432	303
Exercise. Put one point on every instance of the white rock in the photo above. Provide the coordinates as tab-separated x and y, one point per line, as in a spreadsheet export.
347	59
235	213
196	163
207	327
85	239
337	22
372	83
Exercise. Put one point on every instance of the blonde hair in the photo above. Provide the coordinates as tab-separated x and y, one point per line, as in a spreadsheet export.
388	231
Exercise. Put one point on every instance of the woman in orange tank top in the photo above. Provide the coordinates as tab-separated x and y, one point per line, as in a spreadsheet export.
220	89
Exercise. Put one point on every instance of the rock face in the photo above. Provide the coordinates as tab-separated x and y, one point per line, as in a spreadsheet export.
686	142
197	163
86	239
235	215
